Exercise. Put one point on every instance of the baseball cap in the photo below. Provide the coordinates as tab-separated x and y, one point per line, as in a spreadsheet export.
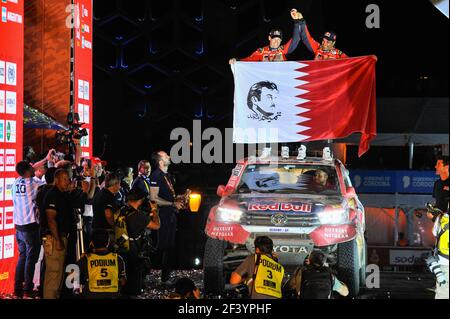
330	36
96	160
276	33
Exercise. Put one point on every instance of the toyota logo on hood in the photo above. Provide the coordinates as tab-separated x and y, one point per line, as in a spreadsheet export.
279	219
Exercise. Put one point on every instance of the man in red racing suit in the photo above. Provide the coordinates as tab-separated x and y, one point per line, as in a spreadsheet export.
322	51
275	52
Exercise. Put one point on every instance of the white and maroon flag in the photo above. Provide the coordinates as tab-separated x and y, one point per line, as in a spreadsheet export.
305	101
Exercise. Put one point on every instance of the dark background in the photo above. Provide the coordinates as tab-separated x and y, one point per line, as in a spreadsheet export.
161	64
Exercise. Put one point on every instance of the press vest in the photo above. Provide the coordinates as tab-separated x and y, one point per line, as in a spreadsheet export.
442	238
103	273
269	276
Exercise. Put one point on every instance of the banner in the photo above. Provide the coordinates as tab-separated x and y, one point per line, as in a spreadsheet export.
11	130
406	182
305	101
83	70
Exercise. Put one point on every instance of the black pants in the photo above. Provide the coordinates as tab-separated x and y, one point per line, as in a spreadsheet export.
135	273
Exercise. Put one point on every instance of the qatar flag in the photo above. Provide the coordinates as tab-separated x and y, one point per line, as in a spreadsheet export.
305	101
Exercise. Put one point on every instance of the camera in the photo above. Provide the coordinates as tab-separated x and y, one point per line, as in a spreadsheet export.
73	132
434	266
433	210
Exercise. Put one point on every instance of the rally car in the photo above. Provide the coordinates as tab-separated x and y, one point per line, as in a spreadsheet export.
300	204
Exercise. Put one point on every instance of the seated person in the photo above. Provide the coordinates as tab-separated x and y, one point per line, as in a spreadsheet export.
185	289
320	181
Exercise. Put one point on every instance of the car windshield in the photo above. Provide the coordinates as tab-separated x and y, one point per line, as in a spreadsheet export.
289	179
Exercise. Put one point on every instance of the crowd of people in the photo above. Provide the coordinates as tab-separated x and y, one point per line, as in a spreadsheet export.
80	214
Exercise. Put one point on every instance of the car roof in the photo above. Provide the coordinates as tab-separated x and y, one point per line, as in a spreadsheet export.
291	160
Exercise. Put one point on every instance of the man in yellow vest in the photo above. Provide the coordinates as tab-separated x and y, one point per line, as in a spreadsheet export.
440	229
261	271
102	273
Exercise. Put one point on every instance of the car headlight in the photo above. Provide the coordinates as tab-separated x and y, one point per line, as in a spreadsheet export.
333	217
229	215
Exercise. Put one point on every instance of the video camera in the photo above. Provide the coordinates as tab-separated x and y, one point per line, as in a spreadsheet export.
73	132
433	210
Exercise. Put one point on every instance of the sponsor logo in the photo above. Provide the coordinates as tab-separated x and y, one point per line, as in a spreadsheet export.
279	219
85	28
11	102
8	247
10	131
9	183
2	72
8	216
1	221
2	189
86	90
86	114
407	257
14	17
81	89
11	73
284	207
4	15
2	101
10	160
2	130
291	249
335	232
222	231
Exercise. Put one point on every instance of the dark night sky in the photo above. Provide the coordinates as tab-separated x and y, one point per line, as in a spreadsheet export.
176	56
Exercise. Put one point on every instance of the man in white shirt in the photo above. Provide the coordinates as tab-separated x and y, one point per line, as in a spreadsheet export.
26	222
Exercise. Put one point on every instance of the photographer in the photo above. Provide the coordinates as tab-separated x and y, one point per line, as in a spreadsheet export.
102	273
139	215
438	263
104	203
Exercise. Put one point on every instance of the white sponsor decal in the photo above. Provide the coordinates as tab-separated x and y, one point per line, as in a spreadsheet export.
1	248
4	15
14	17
2	165
269	229
10	160
9	183
80	89
2	130
8	246
11	103
86	90
2	189
2	72
81	112
10	131
11	73
2	101
86	114
1	221
8	218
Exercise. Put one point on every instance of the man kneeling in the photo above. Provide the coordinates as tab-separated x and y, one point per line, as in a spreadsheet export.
102	273
261	271
316	280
